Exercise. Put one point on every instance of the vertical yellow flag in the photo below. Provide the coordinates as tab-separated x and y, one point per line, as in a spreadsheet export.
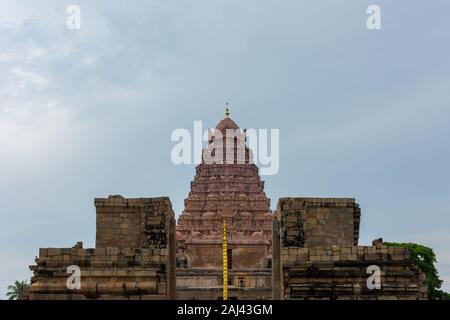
225	261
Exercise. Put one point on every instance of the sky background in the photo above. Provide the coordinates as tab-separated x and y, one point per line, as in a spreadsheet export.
88	113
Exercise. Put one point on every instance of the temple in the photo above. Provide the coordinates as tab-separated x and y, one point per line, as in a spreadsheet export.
306	249
225	190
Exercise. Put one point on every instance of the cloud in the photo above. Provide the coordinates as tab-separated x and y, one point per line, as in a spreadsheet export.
89	113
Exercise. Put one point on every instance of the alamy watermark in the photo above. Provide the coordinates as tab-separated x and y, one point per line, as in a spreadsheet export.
74	20
374	280
231	146
74	280
374	19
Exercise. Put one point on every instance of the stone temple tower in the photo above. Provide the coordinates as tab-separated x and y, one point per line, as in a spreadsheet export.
227	187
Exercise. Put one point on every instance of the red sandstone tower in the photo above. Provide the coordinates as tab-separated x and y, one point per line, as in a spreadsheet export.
229	189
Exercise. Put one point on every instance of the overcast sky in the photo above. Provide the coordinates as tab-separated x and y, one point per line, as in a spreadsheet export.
88	113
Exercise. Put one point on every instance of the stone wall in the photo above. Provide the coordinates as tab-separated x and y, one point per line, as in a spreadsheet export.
342	273
244	255
317	256
205	256
216	294
132	223
193	284
134	256
106	273
309	222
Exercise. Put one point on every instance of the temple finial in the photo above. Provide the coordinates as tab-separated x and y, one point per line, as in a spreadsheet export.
227	111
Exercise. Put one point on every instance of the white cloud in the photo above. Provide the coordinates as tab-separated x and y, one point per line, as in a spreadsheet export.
14	13
91	110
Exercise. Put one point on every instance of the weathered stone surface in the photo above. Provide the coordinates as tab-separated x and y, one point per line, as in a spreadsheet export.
221	192
207	284
134	256
333	266
131	223
319	221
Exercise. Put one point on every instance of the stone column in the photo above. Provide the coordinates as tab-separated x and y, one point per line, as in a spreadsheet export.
171	274
276	258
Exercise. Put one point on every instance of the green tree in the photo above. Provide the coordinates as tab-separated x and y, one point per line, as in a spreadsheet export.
425	259
16	290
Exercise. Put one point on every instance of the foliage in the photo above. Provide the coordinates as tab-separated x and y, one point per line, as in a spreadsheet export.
16	290
425	259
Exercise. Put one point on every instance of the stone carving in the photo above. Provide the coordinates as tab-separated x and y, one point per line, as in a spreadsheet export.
224	192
